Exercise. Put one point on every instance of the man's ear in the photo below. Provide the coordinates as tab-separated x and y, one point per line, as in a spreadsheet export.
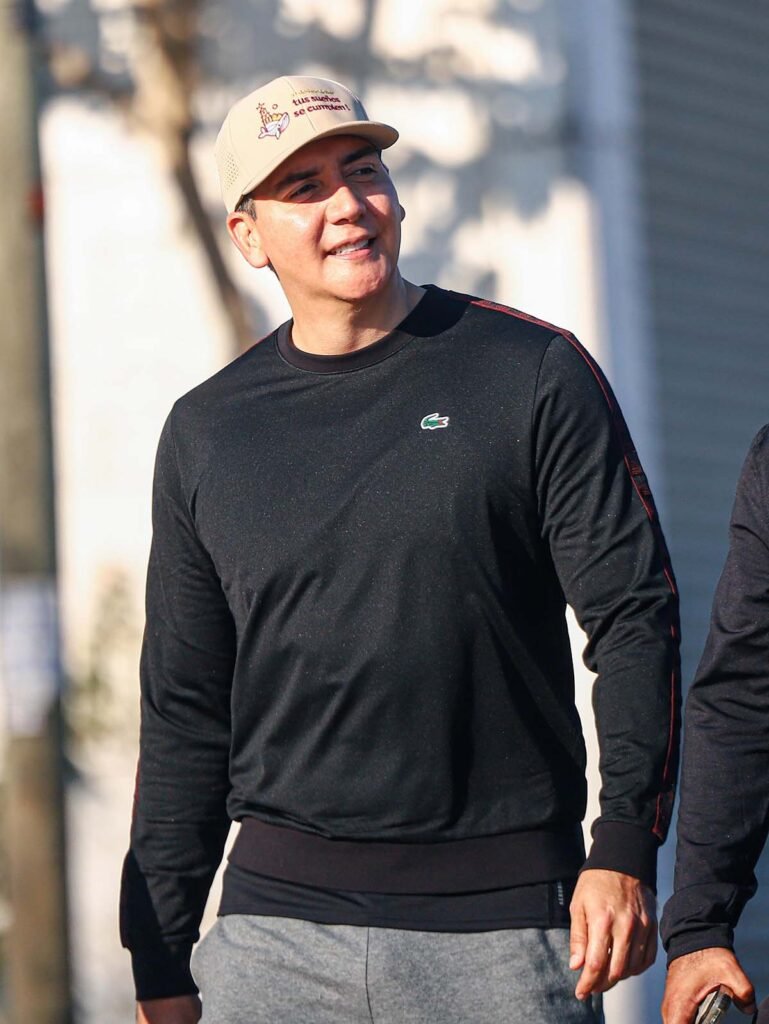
244	232
403	212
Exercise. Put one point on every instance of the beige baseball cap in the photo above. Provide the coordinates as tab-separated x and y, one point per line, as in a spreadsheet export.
272	122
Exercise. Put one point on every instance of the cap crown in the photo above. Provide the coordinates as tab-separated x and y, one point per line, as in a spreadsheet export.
267	126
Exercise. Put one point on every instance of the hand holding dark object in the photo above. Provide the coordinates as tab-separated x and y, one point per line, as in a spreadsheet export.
177	1010
613	929
691	977
714	1007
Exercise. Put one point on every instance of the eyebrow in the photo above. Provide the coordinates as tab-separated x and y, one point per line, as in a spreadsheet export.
311	172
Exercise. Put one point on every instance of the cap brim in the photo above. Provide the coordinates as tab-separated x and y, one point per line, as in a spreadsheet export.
382	135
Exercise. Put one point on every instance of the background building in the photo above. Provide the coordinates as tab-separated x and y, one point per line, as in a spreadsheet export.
703	155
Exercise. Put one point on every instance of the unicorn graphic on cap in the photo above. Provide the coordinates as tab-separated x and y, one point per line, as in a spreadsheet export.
272	124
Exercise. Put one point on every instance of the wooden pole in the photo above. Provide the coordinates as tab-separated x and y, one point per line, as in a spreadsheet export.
36	953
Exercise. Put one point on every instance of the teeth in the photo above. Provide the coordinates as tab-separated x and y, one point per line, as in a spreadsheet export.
350	248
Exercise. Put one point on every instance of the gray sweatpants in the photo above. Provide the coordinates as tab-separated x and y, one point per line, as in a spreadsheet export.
253	969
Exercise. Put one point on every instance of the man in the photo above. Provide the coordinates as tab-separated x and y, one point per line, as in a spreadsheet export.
724	812
366	529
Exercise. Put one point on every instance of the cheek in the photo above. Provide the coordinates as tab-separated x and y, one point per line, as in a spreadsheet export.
290	236
387	212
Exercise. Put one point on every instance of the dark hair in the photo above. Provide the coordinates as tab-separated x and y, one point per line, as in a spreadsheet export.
246	205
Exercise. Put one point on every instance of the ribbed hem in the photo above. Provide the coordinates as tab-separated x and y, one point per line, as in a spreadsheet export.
542	905
702	915
719	937
163	971
460	865
630	849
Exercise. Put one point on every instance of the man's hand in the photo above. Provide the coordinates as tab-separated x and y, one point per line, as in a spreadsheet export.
613	929
692	976
178	1010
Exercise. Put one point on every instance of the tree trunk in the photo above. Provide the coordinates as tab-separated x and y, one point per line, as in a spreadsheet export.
166	76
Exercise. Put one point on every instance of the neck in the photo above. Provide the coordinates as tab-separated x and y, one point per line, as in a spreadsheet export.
331	327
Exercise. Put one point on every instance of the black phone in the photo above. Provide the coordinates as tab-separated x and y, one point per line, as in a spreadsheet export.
713	1007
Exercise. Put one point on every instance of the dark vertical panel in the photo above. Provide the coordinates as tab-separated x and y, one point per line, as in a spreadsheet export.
703	76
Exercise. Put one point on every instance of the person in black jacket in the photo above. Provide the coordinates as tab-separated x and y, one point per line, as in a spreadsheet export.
724	810
365	533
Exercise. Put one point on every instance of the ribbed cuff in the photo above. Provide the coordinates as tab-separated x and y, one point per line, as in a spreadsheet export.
163	971
626	848
719	937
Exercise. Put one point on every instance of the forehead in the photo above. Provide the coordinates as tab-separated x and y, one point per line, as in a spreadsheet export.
315	154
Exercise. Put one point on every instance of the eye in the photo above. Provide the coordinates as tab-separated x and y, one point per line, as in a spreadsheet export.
365	171
305	189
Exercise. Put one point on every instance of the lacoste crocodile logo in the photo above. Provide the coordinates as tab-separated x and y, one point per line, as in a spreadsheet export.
434	421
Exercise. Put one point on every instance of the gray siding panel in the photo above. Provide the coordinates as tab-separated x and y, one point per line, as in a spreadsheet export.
703	76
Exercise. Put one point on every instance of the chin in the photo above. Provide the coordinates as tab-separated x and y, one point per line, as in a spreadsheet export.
359	287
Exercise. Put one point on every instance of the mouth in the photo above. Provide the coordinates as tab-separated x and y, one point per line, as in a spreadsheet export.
352	247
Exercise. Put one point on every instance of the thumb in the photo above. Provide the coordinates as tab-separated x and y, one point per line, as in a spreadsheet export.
577	938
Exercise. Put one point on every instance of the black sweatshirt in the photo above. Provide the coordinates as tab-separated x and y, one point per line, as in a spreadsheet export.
724	813
355	636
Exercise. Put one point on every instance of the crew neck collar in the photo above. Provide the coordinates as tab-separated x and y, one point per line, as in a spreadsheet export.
424	319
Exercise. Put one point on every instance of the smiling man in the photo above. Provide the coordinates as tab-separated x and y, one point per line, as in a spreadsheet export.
366	530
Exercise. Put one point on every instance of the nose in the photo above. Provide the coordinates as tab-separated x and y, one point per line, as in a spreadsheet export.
344	205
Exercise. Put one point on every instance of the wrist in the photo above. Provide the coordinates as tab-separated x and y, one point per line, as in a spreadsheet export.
628	849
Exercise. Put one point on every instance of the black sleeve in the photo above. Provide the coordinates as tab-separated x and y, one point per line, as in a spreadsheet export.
180	821
724	813
601	525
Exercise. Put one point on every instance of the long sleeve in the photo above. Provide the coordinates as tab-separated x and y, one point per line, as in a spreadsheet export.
180	821
609	554
724	812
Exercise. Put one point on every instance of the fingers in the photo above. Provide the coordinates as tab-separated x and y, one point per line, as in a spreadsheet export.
597	957
594	962
743	993
613	930
691	977
618	966
577	938
618	946
679	1011
643	951
683	1008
